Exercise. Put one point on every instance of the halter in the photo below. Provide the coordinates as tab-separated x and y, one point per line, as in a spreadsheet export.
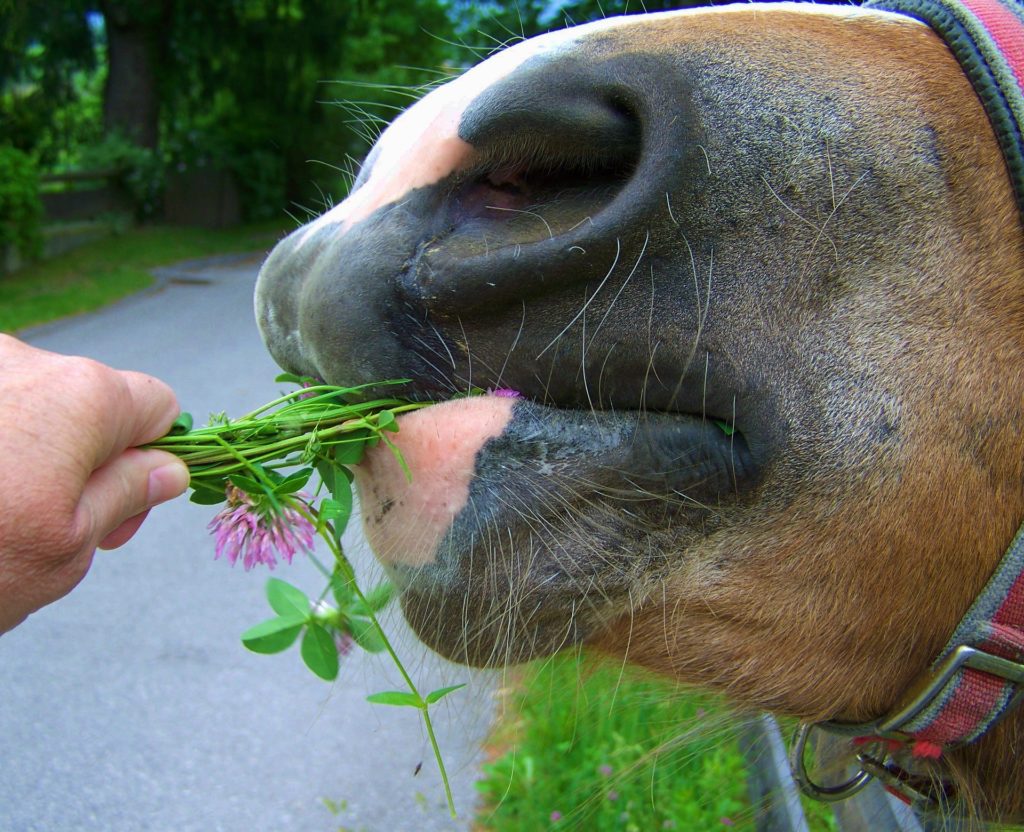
979	676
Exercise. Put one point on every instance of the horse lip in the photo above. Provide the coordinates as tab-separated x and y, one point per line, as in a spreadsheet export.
627	448
545	460
540	494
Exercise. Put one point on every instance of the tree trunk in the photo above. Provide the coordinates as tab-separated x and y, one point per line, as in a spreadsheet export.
131	102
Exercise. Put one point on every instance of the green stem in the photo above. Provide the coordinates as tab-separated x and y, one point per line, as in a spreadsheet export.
340	557
305	391
215	450
440	762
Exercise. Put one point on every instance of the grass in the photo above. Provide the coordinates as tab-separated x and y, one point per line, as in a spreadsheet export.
582	746
104	271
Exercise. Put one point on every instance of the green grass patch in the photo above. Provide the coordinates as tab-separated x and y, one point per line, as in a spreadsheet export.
104	271
582	747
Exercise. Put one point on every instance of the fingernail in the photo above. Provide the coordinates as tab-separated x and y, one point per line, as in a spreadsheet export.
167	482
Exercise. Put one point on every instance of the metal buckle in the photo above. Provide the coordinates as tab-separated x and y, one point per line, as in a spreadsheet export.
869	768
888	727
927	688
930	685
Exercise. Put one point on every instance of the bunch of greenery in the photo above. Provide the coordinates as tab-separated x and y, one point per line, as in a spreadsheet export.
20	209
260	466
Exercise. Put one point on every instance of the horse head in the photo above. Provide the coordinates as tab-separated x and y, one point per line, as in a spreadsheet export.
754	275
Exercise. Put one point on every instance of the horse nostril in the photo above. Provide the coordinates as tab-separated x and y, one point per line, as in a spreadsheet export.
506	179
556	154
489	194
557	131
595	135
559	161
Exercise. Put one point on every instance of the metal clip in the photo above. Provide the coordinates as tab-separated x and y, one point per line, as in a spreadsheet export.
869	768
900	784
818	791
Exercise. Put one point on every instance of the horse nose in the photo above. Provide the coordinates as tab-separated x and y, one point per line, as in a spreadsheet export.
276	304
522	176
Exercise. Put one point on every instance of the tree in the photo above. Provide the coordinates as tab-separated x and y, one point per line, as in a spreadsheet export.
247	86
131	101
246	77
233	84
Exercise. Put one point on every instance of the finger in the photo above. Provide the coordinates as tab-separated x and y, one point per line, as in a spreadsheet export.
123	533
155	407
127	486
115	409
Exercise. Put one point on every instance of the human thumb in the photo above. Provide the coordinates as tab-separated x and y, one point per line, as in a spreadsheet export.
124	488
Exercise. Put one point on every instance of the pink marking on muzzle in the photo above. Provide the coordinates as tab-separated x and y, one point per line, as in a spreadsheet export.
406	521
422	146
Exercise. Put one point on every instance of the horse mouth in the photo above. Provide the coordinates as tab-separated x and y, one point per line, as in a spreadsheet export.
524	527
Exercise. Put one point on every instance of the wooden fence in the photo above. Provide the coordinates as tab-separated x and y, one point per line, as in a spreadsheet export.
82	195
78	208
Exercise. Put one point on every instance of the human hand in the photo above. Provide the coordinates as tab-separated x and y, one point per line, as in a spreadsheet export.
73	477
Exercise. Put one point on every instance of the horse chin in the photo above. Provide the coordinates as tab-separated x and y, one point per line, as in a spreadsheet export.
482	630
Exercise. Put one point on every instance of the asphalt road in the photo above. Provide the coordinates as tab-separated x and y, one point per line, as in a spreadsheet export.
132	705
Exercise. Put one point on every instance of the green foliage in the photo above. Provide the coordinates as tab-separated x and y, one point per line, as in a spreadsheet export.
286	95
585	748
48	60
286	599
399	698
242	86
245	86
485	25
441	693
141	170
404	699
319	652
274	635
20	209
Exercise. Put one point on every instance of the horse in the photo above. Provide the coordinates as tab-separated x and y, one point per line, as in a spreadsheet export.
743	288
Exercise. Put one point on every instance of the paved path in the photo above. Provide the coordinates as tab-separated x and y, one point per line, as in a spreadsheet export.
131	704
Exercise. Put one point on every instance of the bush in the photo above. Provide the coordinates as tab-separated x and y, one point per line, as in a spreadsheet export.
142	173
21	212
225	137
261	176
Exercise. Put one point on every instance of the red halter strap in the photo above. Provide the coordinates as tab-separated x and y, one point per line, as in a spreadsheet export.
980	673
979	676
987	38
